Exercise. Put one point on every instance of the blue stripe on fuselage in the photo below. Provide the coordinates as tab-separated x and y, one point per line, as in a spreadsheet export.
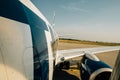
38	27
13	9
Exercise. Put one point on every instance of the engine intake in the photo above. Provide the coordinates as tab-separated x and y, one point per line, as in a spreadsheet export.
91	68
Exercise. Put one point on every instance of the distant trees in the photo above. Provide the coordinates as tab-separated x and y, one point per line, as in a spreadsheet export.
88	42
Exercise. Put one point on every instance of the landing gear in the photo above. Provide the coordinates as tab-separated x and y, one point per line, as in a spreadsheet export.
64	65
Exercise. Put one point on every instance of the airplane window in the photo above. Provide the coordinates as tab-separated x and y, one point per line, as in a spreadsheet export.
40	51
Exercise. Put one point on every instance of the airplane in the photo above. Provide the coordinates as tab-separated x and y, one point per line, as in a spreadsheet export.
28	45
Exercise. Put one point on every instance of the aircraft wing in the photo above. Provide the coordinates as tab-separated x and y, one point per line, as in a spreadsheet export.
72	53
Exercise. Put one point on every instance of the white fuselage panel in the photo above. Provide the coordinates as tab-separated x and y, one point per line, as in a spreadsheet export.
16	52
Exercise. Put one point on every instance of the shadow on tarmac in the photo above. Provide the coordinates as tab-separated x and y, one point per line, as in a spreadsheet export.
63	75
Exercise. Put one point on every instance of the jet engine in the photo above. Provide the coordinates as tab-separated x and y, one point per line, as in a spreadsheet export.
91	68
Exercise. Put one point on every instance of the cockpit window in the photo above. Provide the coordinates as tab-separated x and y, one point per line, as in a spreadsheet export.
40	49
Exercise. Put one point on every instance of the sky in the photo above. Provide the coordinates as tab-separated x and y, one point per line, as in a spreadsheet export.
94	20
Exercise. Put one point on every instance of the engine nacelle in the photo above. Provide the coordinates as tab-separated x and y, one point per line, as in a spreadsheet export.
91	68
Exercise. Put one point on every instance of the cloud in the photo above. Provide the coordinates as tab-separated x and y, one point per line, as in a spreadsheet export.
73	8
76	5
79	1
84	1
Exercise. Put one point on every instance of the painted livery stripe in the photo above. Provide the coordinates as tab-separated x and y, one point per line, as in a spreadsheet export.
13	9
